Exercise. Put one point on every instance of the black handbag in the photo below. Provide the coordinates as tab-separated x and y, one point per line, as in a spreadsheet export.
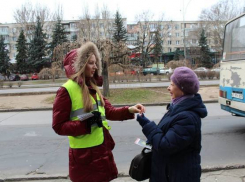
140	168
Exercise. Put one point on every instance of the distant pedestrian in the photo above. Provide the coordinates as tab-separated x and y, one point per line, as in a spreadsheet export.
91	145
176	140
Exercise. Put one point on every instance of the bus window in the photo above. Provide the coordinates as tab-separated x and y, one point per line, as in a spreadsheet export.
234	43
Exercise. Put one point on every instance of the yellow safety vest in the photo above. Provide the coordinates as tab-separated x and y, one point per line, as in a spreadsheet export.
97	136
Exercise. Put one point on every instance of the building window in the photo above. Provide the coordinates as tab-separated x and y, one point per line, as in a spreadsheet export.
177	34
193	26
176	27
14	30
193	62
153	25
169	49
169	42
73	25
8	46
177	42
101	25
193	41
5	37
4	29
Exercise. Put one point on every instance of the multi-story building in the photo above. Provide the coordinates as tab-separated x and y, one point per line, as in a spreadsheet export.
10	33
175	34
90	29
182	35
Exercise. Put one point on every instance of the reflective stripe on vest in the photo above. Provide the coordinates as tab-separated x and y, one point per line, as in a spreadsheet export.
97	136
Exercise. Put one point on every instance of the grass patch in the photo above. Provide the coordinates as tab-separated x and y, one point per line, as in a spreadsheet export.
50	81
50	99
139	95
133	96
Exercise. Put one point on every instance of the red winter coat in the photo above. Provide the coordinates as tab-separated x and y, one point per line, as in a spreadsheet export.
95	164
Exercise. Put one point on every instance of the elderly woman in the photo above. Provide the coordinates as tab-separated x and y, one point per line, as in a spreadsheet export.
81	112
176	139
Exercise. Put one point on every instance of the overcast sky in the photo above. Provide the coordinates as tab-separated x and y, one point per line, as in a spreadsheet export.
172	9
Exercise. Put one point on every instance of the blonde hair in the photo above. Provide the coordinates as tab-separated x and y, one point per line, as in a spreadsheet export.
86	99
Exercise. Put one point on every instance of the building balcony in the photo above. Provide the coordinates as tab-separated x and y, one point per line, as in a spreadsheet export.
4	33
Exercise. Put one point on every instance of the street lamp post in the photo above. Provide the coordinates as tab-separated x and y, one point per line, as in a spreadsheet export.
184	42
184	11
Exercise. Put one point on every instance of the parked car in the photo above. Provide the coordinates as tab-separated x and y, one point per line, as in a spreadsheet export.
2	78
201	69
118	73
153	71
165	71
35	76
24	77
217	70
14	77
131	72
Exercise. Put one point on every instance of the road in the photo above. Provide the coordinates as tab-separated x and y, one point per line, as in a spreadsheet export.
54	87
29	146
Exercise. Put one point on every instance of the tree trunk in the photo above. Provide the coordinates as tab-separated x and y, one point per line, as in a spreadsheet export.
106	91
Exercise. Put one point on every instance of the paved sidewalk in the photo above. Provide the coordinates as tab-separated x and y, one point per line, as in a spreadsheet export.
231	175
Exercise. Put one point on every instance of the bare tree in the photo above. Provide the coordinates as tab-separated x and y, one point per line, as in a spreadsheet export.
96	23
85	24
59	13
144	38
112	54
54	17
147	32
27	15
107	23
95	27
214	20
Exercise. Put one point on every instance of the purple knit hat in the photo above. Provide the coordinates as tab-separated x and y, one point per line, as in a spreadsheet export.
186	80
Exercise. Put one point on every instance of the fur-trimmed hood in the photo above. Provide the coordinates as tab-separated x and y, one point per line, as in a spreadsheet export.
76	59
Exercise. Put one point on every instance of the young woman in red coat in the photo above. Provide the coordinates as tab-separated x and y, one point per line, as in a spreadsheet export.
88	161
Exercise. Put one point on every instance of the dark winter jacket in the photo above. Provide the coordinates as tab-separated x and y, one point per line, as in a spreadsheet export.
176	142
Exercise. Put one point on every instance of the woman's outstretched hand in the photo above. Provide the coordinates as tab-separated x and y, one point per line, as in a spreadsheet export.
138	108
142	119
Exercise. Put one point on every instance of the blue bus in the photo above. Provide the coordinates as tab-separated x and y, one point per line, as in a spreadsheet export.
232	68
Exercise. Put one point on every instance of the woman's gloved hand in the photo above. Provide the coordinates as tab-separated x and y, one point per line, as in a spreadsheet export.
142	120
95	119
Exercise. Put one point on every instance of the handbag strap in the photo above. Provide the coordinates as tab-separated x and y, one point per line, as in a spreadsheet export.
146	151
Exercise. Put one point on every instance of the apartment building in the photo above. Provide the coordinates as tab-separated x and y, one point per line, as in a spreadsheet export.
91	29
175	34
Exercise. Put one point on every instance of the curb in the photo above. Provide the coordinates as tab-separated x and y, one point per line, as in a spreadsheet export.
27	93
30	178
115	105
54	92
120	175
